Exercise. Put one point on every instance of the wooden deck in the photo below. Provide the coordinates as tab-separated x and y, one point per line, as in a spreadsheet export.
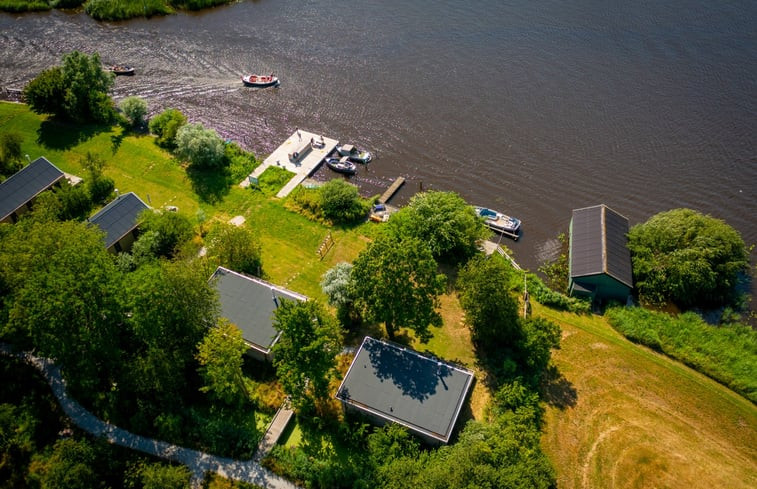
303	166
393	188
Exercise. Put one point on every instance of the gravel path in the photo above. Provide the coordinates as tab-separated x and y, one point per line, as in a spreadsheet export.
198	462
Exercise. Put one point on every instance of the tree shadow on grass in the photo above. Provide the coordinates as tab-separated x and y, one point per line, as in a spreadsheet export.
558	391
210	185
60	135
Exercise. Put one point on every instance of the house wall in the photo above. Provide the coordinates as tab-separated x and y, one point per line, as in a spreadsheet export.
259	355
605	287
124	244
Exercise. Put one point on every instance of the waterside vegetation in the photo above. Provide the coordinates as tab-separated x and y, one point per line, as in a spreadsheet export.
112	10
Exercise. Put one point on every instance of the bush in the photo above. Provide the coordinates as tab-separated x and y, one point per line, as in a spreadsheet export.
236	248
10	153
165	126
241	163
125	9
727	354
134	109
341	203
548	297
201	147
173	230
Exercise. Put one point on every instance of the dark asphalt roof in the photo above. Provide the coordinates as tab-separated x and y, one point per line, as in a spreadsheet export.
26	183
401	385
119	217
248	303
599	244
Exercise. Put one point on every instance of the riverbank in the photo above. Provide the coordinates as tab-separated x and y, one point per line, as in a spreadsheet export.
113	10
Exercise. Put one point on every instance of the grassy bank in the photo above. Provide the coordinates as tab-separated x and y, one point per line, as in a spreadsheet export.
626	417
289	241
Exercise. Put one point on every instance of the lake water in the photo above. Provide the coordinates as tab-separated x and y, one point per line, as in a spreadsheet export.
530	107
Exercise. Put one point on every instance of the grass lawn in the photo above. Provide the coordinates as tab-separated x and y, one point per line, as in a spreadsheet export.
632	418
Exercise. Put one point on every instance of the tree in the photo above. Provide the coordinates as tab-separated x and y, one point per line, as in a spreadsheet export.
70	466
201	147
10	153
77	91
687	258
340	202
336	284
171	306
444	221
165	126
305	355
173	230
221	356
490	310
396	282
134	109
99	187
64	299
236	248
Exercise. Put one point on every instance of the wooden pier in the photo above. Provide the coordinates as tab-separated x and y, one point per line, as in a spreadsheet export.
393	188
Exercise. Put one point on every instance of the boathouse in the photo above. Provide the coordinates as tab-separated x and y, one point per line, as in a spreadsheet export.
600	262
389	383
249	303
18	192
119	221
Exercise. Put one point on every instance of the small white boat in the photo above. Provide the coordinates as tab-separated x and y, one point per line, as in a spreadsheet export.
341	165
260	80
502	223
354	154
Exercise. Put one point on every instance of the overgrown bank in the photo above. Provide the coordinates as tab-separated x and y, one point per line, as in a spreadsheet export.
112	10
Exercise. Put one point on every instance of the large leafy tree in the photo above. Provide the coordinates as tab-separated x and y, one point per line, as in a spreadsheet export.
396	282
221	356
10	153
77	91
305	355
201	147
688	258
443	220
490	309
62	298
171	305
237	248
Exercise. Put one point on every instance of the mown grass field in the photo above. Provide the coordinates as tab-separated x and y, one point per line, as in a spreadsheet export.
632	418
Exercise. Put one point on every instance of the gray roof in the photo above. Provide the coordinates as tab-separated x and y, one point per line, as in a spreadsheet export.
403	386
119	217
598	244
249	304
27	183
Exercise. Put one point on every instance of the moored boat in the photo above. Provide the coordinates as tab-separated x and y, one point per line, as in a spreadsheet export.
120	70
501	223
354	154
341	165
260	80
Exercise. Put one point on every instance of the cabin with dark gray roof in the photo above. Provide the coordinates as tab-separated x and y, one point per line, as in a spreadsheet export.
18	192
119	221
249	303
393	384
600	262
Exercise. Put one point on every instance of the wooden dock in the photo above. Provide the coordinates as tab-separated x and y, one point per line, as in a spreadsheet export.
393	188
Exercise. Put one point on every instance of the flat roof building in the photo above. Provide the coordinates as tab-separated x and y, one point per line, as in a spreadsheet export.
249	303
600	262
119	221
391	383
18	192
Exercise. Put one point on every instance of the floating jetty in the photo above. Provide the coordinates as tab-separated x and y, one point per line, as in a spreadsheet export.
393	188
